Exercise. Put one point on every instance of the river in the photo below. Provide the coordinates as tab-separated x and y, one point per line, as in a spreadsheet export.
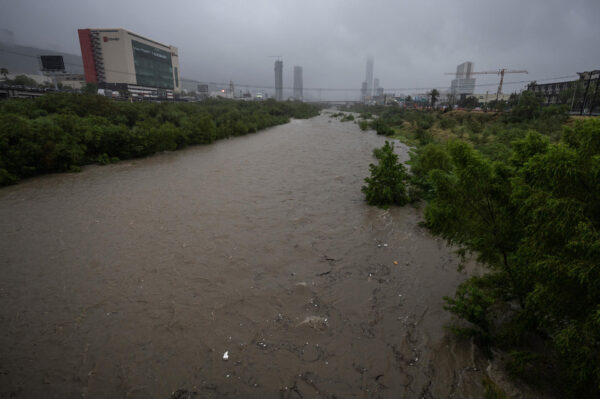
132	280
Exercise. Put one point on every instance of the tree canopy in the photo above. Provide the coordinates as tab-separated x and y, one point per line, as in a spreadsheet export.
387	183
519	190
61	132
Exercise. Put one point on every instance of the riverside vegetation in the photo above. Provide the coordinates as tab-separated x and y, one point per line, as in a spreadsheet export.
521	191
62	132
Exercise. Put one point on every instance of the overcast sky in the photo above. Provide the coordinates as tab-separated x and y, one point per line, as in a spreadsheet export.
413	42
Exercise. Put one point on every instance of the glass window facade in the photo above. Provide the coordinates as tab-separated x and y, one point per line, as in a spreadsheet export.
153	66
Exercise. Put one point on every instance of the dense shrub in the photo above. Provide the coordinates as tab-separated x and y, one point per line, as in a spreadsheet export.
61	132
387	184
381	127
534	218
521	191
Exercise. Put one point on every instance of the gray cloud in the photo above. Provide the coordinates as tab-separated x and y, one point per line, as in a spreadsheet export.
413	43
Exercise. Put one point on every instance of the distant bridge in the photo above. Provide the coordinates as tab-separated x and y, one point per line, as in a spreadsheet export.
7	92
334	102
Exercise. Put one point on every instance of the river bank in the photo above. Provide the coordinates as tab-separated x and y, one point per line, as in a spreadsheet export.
62	132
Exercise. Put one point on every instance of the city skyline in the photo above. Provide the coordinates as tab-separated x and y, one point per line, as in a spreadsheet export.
239	50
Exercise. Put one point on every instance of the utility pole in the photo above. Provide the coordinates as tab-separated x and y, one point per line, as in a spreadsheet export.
593	102
594	99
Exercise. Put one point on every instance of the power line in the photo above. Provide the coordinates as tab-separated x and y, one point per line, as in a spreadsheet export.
389	89
332	89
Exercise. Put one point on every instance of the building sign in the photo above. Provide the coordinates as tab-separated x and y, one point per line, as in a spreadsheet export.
52	62
150	51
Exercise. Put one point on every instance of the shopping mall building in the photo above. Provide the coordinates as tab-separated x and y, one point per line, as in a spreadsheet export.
125	61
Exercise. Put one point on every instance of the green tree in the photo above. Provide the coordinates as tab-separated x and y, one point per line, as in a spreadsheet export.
513	100
528	108
434	94
566	96
468	102
471	210
387	184
90	88
60	132
535	221
559	192
498	105
4	72
24	80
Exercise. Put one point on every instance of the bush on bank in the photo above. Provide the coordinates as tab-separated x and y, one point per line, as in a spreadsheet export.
61	132
387	184
535	221
521	191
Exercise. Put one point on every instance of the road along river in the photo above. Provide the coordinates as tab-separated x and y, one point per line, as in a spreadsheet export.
132	280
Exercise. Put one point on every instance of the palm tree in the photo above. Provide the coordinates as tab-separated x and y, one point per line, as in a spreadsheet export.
434	94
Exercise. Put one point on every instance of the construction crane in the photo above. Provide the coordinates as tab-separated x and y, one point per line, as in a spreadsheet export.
500	72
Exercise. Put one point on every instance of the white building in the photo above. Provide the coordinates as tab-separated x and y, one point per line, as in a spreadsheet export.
123	60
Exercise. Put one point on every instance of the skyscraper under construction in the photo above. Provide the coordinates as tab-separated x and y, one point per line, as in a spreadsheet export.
464	84
279	80
298	82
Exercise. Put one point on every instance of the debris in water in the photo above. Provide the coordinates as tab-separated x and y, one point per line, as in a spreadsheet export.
395	262
262	345
315	322
226	355
385	245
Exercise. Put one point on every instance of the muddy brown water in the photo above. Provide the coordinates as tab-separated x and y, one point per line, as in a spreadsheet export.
132	280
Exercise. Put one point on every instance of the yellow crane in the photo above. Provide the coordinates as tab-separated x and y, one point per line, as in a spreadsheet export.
500	72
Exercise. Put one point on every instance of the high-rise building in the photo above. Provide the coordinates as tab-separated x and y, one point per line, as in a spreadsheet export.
279	80
369	79
298	83
375	84
463	84
123	60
